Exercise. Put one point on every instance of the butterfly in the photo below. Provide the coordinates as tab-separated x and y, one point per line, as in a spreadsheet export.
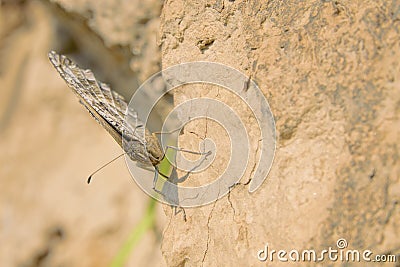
110	109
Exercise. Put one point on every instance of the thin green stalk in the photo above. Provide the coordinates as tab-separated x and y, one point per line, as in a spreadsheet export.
144	225
136	235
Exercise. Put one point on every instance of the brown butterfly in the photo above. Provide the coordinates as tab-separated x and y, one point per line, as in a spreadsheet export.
109	109
113	113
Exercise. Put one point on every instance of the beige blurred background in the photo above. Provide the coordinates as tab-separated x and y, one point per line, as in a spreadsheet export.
49	216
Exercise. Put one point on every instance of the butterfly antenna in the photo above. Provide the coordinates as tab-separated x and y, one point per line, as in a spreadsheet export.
105	165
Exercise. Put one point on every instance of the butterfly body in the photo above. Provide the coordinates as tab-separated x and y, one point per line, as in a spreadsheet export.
111	111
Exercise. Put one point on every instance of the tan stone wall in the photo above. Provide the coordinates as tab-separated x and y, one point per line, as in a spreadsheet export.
330	71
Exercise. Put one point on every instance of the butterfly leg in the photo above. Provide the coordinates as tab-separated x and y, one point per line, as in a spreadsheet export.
170	132
172	194
187	151
177	148
155	179
176	211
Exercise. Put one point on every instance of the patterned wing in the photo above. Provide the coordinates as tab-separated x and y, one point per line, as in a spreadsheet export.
108	108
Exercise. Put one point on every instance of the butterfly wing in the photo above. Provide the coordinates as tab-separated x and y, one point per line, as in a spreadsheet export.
109	109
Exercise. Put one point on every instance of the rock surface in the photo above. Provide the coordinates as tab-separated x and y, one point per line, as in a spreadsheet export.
331	72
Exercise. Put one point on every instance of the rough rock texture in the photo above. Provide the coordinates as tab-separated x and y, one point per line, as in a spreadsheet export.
330	71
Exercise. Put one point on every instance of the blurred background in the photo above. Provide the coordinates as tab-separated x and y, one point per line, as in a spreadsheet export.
49	216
